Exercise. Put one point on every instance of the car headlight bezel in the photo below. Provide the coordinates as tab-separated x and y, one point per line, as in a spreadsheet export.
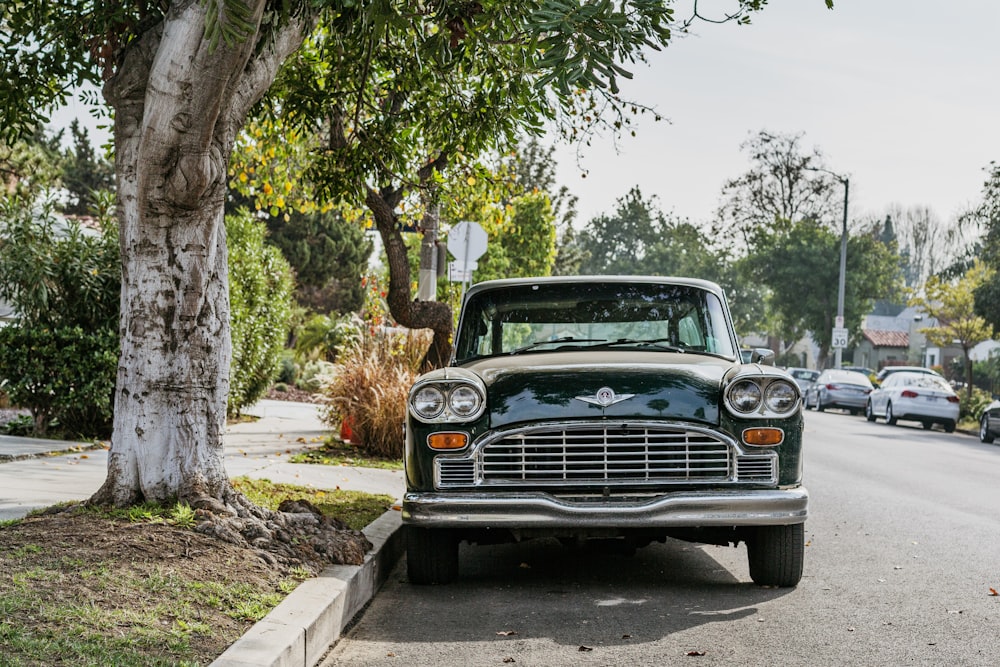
762	397
462	400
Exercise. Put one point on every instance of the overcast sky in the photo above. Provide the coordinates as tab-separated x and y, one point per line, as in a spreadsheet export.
901	96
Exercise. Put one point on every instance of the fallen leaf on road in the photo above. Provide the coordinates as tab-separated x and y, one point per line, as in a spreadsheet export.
695	653
626	636
300	439
506	633
509	660
584	649
524	566
993	591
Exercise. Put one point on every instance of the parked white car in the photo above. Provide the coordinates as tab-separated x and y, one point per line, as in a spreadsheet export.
914	396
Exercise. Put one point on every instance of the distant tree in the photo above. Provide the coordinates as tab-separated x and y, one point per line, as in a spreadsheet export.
986	216
618	243
927	246
801	268
785	184
329	256
84	173
952	304
536	169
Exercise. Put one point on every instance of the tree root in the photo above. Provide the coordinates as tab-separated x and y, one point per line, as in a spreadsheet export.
298	534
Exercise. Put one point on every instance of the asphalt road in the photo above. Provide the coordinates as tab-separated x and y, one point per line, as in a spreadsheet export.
903	551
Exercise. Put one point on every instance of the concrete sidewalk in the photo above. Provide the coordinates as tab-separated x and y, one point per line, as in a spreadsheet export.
39	473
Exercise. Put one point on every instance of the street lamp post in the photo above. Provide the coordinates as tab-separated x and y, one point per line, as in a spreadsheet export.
843	270
839	322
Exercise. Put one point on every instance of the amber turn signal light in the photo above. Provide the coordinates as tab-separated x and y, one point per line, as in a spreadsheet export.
763	437
447	440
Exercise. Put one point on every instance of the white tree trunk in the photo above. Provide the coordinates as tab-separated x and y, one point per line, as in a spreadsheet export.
178	106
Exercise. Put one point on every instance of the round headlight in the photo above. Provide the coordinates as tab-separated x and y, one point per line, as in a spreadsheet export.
428	402
780	396
745	396
464	400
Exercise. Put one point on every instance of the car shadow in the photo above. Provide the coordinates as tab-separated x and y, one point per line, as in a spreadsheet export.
576	596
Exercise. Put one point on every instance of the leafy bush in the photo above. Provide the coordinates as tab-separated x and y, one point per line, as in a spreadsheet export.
315	374
59	359
64	377
288	370
56	273
972	407
325	337
260	293
370	389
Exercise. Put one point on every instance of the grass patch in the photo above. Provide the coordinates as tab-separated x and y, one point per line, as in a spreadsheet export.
91	586
355	508
336	452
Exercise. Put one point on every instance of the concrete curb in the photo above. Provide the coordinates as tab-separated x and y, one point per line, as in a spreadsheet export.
300	630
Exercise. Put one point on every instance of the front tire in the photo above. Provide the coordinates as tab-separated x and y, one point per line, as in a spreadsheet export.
776	555
889	418
984	431
431	555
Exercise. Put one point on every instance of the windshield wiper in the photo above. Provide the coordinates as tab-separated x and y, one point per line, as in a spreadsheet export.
564	339
654	342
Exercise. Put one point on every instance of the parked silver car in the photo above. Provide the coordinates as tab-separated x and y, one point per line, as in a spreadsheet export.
804	377
914	396
835	388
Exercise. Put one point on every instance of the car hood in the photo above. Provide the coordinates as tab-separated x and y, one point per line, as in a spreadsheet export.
570	385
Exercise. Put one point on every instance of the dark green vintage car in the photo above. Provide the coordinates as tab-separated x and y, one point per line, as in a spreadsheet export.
611	408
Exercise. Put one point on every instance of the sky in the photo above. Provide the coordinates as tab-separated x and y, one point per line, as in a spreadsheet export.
900	96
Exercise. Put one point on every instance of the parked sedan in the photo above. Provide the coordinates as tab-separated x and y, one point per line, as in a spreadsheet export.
804	377
835	388
914	396
989	423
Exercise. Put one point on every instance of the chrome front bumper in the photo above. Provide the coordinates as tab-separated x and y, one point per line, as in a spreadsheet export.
769	507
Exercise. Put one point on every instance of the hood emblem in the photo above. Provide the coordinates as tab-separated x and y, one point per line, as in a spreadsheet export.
604	397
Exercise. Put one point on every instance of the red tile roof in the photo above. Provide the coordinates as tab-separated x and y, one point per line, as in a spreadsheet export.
880	338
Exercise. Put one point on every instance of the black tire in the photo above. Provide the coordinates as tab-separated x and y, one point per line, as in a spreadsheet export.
431	555
889	418
928	426
776	554
869	412
949	426
853	411
984	431
819	403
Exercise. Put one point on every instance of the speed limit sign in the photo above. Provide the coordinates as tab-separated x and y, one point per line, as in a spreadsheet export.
839	338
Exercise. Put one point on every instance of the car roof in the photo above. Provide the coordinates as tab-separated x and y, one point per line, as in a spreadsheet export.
486	285
888	370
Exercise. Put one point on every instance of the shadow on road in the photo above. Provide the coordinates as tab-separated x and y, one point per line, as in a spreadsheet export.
570	596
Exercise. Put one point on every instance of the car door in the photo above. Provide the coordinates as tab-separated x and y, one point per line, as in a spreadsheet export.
880	397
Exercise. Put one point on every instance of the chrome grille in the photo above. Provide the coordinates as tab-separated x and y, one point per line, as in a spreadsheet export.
610	454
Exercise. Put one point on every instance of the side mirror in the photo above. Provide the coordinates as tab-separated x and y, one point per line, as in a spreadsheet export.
762	355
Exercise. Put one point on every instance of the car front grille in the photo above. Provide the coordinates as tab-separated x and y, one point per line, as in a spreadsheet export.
620	454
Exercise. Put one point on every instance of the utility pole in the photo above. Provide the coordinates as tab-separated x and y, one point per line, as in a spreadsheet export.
427	279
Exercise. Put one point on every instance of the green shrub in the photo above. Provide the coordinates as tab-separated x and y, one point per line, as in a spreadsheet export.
288	370
325	337
55	273
315	375
260	293
972	407
64	377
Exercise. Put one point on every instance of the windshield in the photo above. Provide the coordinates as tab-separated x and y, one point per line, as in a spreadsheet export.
572	316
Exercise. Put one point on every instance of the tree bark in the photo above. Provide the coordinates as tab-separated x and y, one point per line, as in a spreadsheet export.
433	315
178	106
